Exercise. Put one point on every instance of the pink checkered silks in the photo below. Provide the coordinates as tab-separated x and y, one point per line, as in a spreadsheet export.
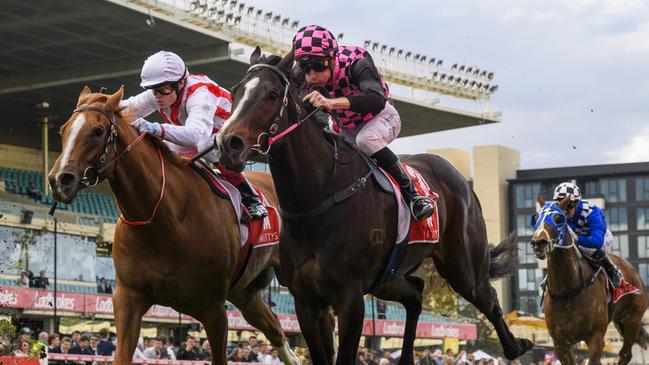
341	85
314	40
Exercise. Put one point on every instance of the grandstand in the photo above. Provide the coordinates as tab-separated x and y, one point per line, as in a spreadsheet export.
51	50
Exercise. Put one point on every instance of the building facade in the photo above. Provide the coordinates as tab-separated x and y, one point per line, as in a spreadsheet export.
622	190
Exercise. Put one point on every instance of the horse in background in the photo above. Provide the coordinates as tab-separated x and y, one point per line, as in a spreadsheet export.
184	255
577	305
331	258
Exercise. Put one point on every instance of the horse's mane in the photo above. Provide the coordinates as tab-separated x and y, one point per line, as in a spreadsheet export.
123	117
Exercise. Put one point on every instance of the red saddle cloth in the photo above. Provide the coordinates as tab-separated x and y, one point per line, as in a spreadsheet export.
261	232
427	230
624	289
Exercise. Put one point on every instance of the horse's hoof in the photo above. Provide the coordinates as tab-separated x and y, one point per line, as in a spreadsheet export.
522	346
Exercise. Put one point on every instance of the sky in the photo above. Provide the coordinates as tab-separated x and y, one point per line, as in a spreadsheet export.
573	75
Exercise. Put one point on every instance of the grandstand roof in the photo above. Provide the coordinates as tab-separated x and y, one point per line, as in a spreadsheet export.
50	50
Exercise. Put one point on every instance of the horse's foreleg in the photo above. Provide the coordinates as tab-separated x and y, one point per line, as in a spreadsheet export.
595	348
564	352
350	308
129	307
215	321
406	291
257	313
317	331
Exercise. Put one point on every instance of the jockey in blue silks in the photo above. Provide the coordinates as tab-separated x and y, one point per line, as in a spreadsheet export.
589	225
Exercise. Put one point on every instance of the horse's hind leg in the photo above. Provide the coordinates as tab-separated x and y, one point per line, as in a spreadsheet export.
129	307
480	293
317	330
407	291
257	313
629	328
215	321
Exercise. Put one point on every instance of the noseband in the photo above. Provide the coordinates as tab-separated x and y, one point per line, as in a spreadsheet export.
271	135
99	167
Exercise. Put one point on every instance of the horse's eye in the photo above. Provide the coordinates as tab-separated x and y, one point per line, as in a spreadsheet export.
558	219
273	95
98	132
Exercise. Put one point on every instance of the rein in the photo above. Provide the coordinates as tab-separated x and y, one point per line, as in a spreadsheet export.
101	165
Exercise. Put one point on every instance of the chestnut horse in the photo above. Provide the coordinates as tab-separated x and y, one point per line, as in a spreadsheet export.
576	301
176	243
331	257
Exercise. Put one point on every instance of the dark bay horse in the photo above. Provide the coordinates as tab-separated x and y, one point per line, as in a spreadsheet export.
332	258
576	302
176	243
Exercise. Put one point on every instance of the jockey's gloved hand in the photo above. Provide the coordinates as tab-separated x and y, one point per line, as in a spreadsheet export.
147	127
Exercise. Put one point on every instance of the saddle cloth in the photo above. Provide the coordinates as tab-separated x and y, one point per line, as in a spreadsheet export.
409	229
256	233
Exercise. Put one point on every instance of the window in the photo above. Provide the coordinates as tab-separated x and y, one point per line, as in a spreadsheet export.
530	305
620	245
614	190
590	189
523	225
529	279
643	270
617	219
525	253
643	218
526	195
643	247
642	188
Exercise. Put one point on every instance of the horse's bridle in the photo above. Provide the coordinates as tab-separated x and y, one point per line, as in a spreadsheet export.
271	134
557	242
100	166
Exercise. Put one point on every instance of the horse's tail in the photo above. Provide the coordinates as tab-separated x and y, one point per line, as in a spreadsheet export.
643	338
503	260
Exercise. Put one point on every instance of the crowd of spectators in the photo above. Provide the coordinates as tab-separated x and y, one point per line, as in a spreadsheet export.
247	350
28	280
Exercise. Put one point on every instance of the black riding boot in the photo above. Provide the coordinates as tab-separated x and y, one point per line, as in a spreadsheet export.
251	200
420	206
613	272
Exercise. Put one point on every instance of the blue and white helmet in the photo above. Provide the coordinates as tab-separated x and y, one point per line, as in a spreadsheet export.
567	189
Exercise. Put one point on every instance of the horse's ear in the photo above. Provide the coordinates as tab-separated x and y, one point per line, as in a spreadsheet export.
254	57
540	200
563	204
85	92
112	103
286	64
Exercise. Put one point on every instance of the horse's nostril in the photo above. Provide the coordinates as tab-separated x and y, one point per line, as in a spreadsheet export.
235	144
66	179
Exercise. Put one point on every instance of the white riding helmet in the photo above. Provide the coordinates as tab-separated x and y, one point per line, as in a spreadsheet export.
567	188
162	68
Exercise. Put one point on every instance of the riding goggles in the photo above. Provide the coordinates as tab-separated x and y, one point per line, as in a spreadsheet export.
317	66
163	90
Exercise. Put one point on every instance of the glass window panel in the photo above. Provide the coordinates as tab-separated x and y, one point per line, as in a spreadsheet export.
643	246
642	188
525	253
523	225
614	190
526	195
616	219
643	218
620	245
